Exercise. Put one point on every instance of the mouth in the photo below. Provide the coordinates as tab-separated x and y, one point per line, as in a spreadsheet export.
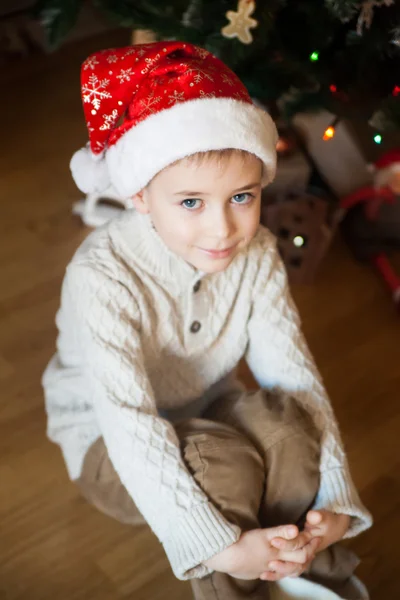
224	253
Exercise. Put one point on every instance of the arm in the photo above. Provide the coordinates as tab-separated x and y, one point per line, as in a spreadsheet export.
278	357
143	447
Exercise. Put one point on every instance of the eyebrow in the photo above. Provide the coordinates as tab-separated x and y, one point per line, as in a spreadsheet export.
191	193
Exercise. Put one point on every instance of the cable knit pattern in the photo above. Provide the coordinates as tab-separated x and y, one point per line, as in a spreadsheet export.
287	366
127	359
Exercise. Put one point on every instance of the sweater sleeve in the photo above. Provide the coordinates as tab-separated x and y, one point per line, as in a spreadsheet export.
279	359
142	446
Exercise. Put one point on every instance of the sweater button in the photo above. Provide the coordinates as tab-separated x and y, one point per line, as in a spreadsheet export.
195	326
196	286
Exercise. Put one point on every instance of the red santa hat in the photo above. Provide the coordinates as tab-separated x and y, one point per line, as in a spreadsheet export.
385	166
149	105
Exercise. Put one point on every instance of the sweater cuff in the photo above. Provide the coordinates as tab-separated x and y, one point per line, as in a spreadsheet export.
338	494
195	537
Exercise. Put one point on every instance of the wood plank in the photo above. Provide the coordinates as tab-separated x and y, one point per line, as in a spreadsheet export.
52	543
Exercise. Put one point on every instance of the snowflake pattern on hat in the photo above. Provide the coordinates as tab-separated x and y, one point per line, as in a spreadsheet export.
94	91
135	82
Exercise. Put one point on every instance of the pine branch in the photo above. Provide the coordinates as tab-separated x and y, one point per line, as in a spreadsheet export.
343	9
57	18
387	117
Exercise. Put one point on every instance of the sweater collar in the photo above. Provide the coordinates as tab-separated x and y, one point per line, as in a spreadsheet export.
136	236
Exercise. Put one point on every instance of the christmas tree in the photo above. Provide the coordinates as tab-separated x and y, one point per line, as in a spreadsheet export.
338	55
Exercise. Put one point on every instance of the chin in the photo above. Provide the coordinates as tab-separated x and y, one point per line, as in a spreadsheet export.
215	266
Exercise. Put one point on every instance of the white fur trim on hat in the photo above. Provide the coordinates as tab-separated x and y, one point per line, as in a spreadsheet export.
185	129
382	176
90	172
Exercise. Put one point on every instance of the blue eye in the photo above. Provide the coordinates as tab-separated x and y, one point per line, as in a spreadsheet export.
244	198
191	203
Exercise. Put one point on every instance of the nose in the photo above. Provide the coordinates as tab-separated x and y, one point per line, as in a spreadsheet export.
222	223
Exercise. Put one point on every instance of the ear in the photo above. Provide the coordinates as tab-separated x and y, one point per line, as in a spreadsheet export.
140	203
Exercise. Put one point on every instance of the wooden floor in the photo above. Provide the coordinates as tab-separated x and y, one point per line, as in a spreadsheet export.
52	544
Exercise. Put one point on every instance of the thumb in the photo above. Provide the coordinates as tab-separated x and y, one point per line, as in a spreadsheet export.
287	532
314	517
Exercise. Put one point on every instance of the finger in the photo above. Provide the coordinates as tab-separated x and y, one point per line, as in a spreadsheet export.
303	555
287	532
296	544
315	531
315	517
303	569
300	572
285	569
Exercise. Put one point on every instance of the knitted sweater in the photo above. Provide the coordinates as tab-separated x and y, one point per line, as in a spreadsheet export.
128	353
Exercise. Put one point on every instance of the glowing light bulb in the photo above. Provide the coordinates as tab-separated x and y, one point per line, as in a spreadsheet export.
298	241
377	139
329	133
314	56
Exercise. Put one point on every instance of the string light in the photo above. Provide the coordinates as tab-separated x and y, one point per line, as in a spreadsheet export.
339	94
396	90
298	241
314	56
330	131
377	139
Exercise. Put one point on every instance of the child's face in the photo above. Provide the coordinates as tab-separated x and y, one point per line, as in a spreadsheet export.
206	213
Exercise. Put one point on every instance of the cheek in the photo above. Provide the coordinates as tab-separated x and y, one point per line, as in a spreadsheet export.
248	221
177	229
186	229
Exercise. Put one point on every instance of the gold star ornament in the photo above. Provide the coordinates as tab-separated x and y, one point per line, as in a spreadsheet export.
241	22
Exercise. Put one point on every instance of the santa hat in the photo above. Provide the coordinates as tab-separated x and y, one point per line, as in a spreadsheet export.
385	166
149	105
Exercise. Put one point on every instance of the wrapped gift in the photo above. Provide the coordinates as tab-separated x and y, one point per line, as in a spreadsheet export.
293	168
337	156
292	171
304	221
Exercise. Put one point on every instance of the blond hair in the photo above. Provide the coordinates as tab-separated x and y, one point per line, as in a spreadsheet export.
216	155
219	156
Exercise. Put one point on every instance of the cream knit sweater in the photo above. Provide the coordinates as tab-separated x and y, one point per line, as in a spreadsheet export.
127	351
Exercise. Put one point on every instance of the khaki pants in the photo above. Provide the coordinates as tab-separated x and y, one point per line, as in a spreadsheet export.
256	456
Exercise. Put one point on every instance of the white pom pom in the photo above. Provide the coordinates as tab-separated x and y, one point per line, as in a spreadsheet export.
90	172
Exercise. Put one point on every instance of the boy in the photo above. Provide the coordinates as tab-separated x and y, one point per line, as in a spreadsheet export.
158	308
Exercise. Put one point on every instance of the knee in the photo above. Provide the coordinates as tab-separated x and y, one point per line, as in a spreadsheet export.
271	419
281	429
226	465
210	447
292	437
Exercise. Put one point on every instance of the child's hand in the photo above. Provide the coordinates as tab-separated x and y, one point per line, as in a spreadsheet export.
303	546
326	525
254	557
